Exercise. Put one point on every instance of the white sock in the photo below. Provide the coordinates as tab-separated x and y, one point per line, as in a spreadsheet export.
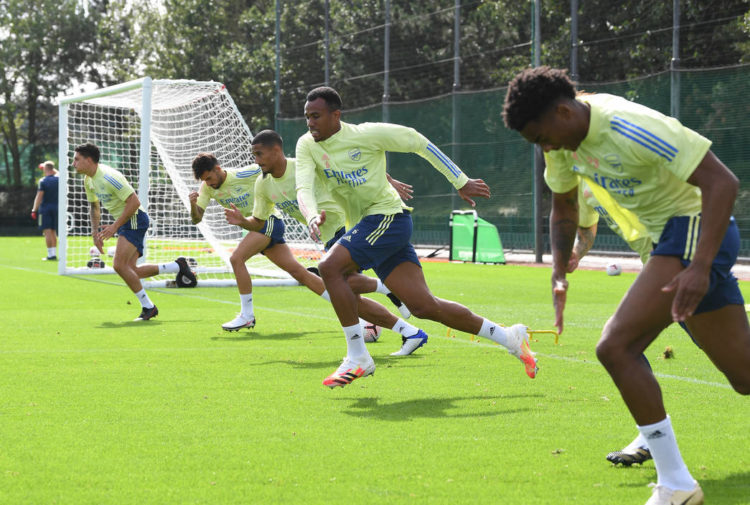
382	288
169	268
638	443
494	332
670	468
405	329
247	305
355	342
146	302
51	251
325	296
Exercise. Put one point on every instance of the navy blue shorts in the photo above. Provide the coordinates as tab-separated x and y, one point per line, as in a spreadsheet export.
273	229
381	242
680	238
134	230
336	236
48	219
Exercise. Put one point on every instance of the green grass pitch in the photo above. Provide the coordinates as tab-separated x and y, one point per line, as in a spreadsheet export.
98	409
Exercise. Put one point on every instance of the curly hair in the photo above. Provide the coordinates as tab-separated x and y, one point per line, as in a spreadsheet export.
532	92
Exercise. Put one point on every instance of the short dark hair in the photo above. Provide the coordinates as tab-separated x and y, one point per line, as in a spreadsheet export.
202	163
533	92
90	150
268	138
330	95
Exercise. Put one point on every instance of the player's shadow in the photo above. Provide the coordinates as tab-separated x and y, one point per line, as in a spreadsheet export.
302	365
733	489
253	335
129	324
431	407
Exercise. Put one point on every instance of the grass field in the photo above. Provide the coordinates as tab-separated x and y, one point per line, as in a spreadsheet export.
97	409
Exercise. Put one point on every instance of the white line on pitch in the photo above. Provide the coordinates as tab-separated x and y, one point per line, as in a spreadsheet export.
332	318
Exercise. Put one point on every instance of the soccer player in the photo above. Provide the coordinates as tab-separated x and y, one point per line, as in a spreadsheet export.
665	176
348	161
45	206
249	200
107	187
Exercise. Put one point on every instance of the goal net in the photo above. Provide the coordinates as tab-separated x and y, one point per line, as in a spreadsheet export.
151	131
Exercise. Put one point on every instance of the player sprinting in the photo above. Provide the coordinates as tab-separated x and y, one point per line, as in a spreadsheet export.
349	162
665	176
249	197
107	187
45	207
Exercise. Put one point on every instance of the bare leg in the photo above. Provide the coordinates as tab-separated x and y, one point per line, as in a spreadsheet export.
361	283
124	264
724	335
50	237
334	269
282	256
642	314
251	245
408	283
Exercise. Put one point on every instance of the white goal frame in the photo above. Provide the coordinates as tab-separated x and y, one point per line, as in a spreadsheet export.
154	112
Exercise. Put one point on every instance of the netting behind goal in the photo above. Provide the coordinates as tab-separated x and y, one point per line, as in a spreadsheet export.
151	131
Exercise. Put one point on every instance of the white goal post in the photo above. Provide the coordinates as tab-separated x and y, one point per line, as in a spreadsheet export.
150	130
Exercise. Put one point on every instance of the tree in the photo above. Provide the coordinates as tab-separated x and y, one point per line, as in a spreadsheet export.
43	49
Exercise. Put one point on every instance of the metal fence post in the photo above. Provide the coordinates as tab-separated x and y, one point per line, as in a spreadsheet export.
387	63
456	119
538	157
574	40
277	93
675	63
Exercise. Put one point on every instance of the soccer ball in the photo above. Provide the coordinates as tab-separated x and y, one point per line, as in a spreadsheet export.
111	251
372	332
94	252
95	263
614	269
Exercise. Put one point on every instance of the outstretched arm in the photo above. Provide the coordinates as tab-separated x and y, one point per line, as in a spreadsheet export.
719	188
563	221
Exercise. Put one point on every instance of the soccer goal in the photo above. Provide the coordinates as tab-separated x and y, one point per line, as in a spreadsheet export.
151	130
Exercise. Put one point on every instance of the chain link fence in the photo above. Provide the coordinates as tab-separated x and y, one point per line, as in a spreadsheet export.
451	88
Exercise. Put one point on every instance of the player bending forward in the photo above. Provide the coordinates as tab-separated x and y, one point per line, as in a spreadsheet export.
666	177
348	162
265	235
105	185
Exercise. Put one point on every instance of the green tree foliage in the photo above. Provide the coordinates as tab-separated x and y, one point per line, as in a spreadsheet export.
207	40
51	46
43	47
